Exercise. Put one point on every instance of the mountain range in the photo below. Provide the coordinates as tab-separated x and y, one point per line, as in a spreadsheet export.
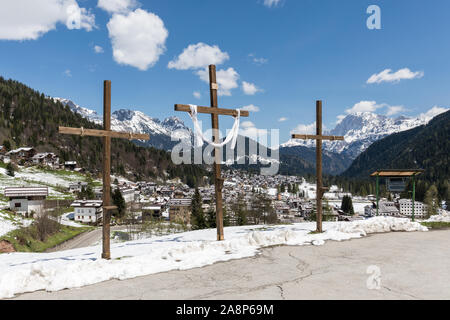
360	130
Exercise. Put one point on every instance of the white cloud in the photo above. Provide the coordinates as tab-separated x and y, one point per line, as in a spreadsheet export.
305	129
389	76
98	49
68	73
226	79
393	110
30	19
433	112
198	56
117	6
282	119
250	88
251	108
271	3
197	94
248	129
340	118
365	106
258	61
138	38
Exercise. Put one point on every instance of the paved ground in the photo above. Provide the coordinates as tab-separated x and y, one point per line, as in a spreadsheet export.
413	266
85	239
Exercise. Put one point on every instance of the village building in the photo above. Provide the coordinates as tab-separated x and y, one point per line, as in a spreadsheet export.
27	201
22	154
77	186
420	209
46	158
70	165
180	210
87	211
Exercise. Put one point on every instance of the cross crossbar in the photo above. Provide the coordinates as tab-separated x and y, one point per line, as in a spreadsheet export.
316	137
209	110
103	133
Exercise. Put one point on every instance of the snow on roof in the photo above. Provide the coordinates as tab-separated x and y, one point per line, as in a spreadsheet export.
26	192
87	203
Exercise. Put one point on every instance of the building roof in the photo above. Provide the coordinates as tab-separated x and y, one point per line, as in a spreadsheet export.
87	203
26	192
180	202
393	173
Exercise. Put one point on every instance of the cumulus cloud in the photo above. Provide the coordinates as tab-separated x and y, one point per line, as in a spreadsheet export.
198	56
251	108
389	76
393	110
98	49
226	79
340	118
282	119
271	3
248	129
305	129
250	88
365	106
433	112
117	6
30	19
138	38
197	94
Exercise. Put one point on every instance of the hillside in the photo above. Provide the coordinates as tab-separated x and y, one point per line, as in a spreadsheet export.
29	118
426	147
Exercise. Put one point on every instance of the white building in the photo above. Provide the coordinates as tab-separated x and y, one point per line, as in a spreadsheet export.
27	200
87	211
420	209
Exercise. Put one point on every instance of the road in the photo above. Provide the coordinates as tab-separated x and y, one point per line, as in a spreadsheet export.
85	239
413	266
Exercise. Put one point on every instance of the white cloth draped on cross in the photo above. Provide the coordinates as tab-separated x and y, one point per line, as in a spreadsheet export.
200	138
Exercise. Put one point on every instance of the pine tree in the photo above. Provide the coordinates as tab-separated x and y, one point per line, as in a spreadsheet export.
10	169
226	217
432	201
347	205
211	218
198	220
119	202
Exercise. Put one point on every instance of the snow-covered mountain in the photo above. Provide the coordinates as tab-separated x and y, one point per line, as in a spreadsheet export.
364	128
135	121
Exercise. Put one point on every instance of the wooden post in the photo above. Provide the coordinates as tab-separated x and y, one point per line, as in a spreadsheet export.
107	134
218	181
319	187
106	254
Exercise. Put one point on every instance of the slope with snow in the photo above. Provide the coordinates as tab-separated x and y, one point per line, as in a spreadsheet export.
26	272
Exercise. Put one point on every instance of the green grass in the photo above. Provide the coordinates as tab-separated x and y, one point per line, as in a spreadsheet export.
29	244
436	225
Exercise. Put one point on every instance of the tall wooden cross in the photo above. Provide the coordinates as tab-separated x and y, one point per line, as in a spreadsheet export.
107	134
320	190
214	111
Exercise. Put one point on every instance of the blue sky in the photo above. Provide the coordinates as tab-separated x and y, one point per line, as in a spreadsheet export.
293	51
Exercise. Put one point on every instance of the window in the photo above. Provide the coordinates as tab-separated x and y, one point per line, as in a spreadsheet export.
17	205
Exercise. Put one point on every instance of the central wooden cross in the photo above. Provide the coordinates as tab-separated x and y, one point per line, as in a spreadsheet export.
320	189
214	111
107	134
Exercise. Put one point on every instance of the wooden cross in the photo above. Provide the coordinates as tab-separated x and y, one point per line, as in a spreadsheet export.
107	134
214	111
320	190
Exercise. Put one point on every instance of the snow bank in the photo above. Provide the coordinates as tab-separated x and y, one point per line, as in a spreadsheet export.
443	217
25	272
